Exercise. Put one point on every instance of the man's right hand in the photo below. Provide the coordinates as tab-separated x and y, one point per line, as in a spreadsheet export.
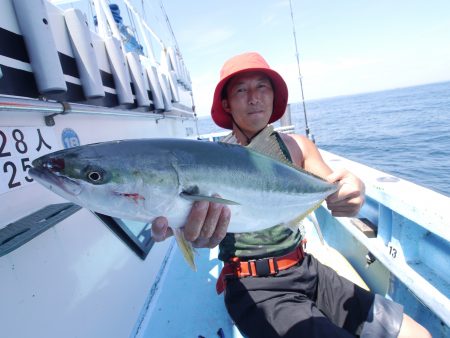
205	227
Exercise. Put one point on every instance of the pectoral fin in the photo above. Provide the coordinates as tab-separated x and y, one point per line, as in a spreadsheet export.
196	197
186	248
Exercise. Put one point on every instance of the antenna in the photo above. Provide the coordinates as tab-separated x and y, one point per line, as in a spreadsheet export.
310	136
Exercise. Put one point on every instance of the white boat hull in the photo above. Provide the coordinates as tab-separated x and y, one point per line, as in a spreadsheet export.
71	274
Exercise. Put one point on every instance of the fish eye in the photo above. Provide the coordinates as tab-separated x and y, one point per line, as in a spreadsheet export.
94	176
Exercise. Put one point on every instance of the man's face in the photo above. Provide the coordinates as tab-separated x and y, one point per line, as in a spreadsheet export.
250	101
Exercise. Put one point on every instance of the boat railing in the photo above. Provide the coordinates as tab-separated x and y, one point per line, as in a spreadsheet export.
217	136
408	234
94	66
49	109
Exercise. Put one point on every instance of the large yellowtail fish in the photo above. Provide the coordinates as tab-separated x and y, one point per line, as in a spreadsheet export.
143	179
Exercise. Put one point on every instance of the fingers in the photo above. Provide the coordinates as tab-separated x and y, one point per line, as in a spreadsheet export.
211	220
221	228
205	227
337	175
207	224
347	207
160	229
195	220
344	211
208	231
345	202
347	191
349	198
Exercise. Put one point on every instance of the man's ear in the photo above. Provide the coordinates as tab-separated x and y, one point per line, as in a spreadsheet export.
225	105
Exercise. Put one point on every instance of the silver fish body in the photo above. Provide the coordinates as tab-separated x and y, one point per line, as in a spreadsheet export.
144	179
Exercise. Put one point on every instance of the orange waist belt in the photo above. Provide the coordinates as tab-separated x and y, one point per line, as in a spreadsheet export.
258	267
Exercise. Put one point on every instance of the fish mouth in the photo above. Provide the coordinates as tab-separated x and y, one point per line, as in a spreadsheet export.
53	164
55	182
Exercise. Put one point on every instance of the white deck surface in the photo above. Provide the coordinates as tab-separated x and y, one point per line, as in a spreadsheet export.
187	304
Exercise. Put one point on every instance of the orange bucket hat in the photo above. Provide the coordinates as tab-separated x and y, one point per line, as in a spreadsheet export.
244	63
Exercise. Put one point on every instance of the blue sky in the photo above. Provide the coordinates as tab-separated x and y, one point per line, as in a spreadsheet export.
345	47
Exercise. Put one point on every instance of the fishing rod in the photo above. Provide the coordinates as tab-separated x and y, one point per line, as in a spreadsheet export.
307	131
177	47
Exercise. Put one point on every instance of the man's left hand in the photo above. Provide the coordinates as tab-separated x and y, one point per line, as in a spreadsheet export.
349	198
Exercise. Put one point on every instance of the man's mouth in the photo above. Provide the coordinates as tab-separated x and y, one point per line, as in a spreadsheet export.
256	112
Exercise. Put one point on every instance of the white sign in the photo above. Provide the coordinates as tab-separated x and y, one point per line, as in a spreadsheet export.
19	146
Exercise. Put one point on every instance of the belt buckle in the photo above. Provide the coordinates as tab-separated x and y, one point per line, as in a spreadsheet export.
235	262
262	266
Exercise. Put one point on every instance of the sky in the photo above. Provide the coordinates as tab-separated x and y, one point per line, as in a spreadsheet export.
345	47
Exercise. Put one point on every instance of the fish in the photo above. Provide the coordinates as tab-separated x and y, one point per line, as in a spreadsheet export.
141	179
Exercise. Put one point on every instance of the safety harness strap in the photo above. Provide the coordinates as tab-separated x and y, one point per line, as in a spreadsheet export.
258	267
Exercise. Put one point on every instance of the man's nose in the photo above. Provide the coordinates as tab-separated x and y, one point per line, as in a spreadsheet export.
253	96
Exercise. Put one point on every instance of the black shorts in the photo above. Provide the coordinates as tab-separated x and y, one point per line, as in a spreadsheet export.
309	300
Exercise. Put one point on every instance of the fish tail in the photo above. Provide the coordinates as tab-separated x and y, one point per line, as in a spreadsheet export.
186	248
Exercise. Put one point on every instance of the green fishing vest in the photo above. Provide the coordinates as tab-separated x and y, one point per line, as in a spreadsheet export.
274	241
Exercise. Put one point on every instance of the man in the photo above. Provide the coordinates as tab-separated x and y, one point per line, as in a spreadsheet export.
283	292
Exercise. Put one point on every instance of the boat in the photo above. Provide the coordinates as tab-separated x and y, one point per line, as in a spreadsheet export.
76	72
72	73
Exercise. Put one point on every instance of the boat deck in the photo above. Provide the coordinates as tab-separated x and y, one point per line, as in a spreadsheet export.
186	304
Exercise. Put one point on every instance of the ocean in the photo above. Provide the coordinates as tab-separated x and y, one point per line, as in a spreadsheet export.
404	132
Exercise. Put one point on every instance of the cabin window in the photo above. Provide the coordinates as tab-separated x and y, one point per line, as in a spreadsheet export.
136	235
